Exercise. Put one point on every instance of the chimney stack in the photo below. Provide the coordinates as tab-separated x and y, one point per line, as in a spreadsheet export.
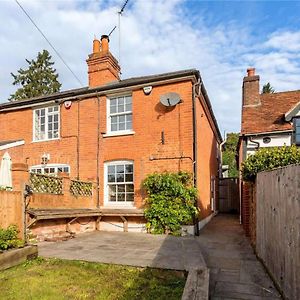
103	67
251	96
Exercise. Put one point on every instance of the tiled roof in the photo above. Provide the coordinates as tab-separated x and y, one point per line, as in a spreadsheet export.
269	115
107	87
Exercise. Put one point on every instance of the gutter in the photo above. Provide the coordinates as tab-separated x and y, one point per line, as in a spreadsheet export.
266	133
102	90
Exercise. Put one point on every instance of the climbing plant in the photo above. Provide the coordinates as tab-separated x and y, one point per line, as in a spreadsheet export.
170	203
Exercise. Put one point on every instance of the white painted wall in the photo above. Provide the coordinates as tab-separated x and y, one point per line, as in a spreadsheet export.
276	141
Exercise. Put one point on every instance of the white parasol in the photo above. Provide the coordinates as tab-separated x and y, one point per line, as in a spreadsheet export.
5	171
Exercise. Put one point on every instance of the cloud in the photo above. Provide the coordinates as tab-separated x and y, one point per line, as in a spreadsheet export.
157	36
285	41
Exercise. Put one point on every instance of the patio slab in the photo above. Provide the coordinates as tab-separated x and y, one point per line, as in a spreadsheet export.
134	249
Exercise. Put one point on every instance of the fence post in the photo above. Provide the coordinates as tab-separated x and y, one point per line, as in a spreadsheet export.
20	176
66	182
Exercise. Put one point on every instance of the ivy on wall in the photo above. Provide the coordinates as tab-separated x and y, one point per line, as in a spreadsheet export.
170	203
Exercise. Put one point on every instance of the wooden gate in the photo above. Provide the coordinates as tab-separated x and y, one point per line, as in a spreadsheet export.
229	195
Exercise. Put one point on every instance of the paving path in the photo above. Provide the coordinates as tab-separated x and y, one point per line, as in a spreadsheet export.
135	249
235	272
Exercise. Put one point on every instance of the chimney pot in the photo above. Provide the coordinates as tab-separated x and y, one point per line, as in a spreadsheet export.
96	46
103	67
251	72
105	43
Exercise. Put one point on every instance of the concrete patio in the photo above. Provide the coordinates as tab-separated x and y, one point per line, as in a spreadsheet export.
134	249
235	272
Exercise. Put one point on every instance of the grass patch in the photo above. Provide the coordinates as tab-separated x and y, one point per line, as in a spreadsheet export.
45	279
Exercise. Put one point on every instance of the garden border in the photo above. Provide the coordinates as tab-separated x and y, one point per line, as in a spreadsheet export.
13	257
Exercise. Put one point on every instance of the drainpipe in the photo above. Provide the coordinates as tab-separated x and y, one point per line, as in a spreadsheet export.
254	142
98	149
221	157
195	143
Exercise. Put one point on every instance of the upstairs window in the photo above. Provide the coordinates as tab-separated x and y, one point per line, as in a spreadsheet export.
46	123
120	114
297	131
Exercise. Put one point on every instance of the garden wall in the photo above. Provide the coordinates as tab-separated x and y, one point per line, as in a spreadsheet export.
278	226
12	210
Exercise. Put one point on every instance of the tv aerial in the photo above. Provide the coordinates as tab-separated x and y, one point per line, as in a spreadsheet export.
170	99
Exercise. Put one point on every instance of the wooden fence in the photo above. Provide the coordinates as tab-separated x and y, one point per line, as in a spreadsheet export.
278	226
229	201
12	210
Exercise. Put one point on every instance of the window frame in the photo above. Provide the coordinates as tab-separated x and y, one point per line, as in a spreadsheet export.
55	166
116	203
34	139
295	119
109	116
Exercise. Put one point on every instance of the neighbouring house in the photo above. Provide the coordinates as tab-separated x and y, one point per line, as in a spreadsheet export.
115	132
268	120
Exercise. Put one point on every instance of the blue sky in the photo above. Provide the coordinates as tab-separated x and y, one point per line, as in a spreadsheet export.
220	38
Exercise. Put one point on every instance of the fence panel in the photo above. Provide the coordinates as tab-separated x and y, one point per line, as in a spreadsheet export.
81	188
46	184
12	210
228	195
278	226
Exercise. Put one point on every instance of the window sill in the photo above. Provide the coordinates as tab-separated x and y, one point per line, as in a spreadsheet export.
118	205
118	133
46	140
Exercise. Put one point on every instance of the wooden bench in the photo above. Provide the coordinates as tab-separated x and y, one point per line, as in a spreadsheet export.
37	214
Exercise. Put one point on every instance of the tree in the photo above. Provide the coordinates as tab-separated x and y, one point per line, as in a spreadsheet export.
40	78
229	154
268	89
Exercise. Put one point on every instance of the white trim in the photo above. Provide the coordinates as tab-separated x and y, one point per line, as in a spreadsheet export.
119	133
45	140
116	204
12	144
34	140
266	133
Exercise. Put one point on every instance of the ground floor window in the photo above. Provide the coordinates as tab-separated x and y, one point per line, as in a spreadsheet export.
119	182
50	169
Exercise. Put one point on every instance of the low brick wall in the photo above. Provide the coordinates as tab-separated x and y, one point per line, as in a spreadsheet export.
56	229
61	201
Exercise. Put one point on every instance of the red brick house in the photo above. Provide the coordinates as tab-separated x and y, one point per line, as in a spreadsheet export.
114	132
268	120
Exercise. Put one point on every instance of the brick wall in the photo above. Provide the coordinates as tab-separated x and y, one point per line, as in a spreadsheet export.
207	163
150	118
249	210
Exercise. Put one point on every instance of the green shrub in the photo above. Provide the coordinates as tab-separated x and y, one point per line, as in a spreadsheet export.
9	238
269	158
170	203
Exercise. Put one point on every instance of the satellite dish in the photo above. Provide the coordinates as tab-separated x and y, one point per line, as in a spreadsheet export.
169	99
